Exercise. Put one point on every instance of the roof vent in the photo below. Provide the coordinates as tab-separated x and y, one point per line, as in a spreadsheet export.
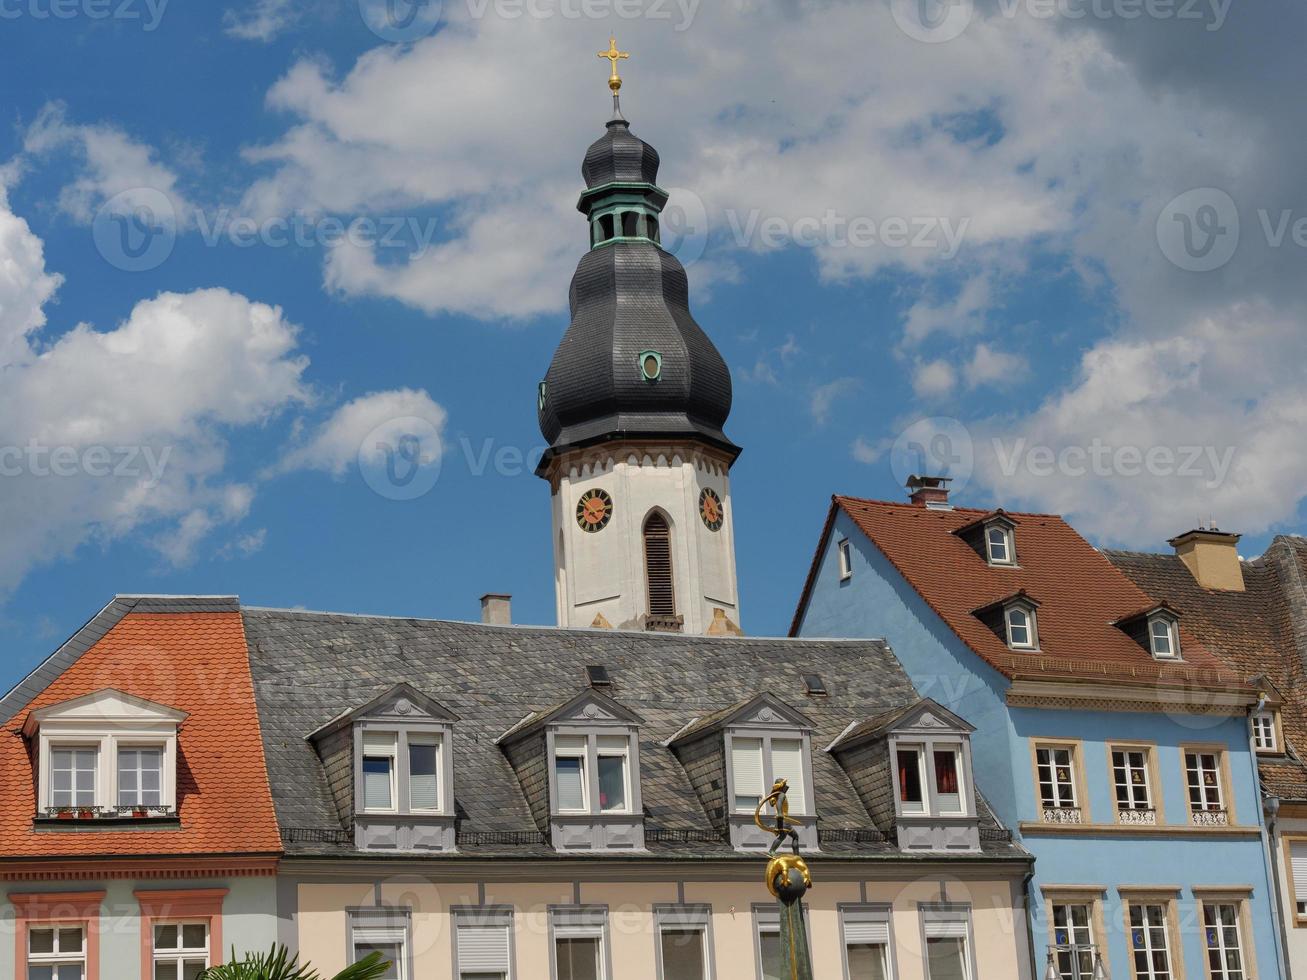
598	676
814	686
930	491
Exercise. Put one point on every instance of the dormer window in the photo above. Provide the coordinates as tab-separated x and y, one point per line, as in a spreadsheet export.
390	768
104	756
1164	637
921	754
1264	734
589	751
998	541
1021	628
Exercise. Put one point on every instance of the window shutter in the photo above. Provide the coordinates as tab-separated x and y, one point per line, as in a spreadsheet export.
482	949
946	929
1298	859
658	566
746	766
866	933
787	764
378	743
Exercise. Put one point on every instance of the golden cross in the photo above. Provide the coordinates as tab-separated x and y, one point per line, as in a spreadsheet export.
613	55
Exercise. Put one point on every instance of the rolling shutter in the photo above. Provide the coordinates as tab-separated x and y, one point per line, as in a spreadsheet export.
787	764
482	949
658	566
950	928
866	933
746	766
1298	862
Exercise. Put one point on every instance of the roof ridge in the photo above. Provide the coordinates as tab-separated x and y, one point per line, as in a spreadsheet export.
908	505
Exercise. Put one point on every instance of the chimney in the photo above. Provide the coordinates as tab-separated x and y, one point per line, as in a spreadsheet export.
497	610
1212	557
930	491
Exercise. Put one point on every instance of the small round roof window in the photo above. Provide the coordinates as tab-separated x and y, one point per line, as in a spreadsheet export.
651	365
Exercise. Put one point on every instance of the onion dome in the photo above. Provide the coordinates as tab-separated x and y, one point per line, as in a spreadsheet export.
633	364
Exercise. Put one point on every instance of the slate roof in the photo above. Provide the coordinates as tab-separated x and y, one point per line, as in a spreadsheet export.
310	667
1261	631
186	653
1080	595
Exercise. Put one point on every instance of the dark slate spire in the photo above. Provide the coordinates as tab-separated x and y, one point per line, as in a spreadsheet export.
634	364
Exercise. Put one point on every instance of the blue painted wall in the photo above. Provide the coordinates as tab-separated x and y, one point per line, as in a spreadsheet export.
877	602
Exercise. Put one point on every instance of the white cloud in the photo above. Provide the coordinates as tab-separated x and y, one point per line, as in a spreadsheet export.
337	443
106	433
964	314
865	452
113	167
824	396
262	20
933	379
994	368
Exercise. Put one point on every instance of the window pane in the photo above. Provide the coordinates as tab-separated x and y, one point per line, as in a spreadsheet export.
423	787
165	971
910	789
773	967
612	783
1018	628
195	935
577	959
787	764
682	954
40	973
997	545
569	774
376	783
70	940
166	937
390	953
746	768
40	940
946	781
70	971
867	962
946	959
192	969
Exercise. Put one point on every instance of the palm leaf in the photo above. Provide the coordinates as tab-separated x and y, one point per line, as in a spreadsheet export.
278	964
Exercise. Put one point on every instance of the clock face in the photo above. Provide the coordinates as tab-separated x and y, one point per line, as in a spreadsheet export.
594	510
711	509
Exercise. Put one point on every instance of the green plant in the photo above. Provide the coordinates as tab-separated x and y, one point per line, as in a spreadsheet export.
278	964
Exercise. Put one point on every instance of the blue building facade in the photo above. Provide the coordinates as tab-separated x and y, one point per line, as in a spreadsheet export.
1140	802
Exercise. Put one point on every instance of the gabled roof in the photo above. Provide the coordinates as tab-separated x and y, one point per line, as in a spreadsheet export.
1081	594
1153	610
1019	597
589	705
999	516
765	708
403	698
913	716
186	653
1260	633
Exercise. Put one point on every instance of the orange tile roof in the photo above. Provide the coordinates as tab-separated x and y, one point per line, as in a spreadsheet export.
196	662
1080	594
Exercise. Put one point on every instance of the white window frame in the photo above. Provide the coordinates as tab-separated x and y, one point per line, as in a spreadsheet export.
1031	627
1006	543
925	751
854	918
579	923
1205	791
1264	724
946	921
613	751
1145	766
1171	629
127	746
684	918
845	550
800	797
436	740
104	720
1079	944
57	957
1072	764
1221	972
56	747
179	955
391	752
1148	948
569	749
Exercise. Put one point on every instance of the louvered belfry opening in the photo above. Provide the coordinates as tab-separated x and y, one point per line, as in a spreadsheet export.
658	565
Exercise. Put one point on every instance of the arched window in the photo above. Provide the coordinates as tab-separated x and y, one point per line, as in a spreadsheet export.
658	565
631	224
605	227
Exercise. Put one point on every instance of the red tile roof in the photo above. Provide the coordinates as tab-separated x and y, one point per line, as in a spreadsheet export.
195	662
1080	594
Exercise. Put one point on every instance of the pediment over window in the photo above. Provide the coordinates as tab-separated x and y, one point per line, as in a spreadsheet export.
403	702
587	708
925	717
764	711
106	707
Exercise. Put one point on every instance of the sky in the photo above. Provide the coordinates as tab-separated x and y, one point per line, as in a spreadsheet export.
278	279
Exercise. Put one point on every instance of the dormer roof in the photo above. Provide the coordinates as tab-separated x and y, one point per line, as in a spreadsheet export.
927	715
763	710
588	707
403	702
108	706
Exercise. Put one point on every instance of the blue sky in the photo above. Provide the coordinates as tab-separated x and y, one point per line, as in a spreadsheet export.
1070	315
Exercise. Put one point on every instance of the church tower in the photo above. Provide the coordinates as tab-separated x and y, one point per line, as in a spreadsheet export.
633	408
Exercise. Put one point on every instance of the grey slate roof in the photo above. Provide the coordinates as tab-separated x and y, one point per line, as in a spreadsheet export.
309	668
